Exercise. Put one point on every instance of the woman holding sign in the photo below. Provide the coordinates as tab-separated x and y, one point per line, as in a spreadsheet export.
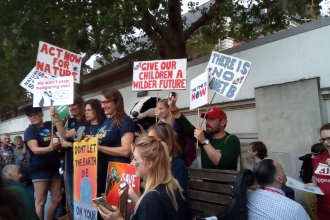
44	162
321	177
115	135
163	197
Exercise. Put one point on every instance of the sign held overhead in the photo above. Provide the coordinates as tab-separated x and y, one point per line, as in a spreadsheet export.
58	62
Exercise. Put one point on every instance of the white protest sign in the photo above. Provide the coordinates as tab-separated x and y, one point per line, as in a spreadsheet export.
28	82
290	182
199	91
58	62
159	74
227	74
53	92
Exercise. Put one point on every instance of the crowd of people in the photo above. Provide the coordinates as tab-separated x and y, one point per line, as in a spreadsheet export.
159	155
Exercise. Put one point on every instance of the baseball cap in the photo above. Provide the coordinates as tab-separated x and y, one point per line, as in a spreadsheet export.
29	109
215	113
18	138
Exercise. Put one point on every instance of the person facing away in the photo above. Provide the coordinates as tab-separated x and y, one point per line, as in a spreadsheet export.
163	197
306	171
219	149
269	202
321	177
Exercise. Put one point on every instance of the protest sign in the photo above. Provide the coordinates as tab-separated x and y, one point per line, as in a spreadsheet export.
301	186
28	81
311	201
85	179
227	74
53	92
159	74
199	91
118	172
58	62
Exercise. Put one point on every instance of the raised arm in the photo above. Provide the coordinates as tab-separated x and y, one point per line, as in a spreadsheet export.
60	129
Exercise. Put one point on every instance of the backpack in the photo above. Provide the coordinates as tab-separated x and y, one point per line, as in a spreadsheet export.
306	170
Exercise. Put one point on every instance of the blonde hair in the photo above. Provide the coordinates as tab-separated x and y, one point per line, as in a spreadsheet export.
153	150
169	118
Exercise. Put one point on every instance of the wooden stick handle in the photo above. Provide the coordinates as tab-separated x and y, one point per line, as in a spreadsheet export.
208	108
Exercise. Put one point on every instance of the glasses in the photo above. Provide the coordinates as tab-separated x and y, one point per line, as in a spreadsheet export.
104	102
322	140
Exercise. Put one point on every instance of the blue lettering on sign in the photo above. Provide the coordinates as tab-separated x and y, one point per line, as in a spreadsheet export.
231	91
218	85
245	68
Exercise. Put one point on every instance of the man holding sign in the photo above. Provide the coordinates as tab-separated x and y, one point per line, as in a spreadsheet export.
220	150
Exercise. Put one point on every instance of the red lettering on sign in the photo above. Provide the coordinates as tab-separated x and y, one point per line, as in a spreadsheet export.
44	49
179	74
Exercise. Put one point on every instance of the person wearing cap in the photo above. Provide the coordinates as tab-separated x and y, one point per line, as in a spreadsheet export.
219	149
19	149
44	161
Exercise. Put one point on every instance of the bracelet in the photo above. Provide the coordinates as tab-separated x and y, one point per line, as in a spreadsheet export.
176	111
57	120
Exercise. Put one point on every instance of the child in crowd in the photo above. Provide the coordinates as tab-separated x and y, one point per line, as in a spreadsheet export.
257	151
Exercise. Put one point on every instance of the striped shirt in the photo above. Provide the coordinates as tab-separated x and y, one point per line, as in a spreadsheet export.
272	204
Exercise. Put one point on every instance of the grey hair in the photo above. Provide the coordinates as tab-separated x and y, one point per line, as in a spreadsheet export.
7	170
5	135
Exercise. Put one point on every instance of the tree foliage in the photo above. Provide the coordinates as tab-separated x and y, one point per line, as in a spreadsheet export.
118	28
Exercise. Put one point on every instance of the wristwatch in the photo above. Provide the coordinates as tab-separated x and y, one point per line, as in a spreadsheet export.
207	141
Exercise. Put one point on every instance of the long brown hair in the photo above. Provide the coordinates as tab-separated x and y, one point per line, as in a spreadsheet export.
166	133
170	118
113	94
96	107
153	150
78	100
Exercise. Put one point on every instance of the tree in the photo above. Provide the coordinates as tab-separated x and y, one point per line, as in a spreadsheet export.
103	27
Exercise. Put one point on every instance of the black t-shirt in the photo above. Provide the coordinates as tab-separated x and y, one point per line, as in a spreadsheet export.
157	204
48	161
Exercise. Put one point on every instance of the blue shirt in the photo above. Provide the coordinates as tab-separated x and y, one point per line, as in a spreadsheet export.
273	205
180	172
110	136
48	161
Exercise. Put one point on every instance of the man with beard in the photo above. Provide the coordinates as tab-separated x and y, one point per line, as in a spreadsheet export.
219	149
269	202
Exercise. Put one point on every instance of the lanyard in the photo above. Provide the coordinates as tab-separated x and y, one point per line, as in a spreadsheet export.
271	190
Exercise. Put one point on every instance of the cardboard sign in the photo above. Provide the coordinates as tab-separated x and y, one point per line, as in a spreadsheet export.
28	81
199	91
58	62
227	74
159	74
85	179
53	92
118	172
310	199
301	186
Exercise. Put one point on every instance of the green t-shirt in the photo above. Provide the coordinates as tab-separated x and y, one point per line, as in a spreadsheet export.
18	151
229	146
27	202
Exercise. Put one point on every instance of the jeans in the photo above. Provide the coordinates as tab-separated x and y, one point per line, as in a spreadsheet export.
69	189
